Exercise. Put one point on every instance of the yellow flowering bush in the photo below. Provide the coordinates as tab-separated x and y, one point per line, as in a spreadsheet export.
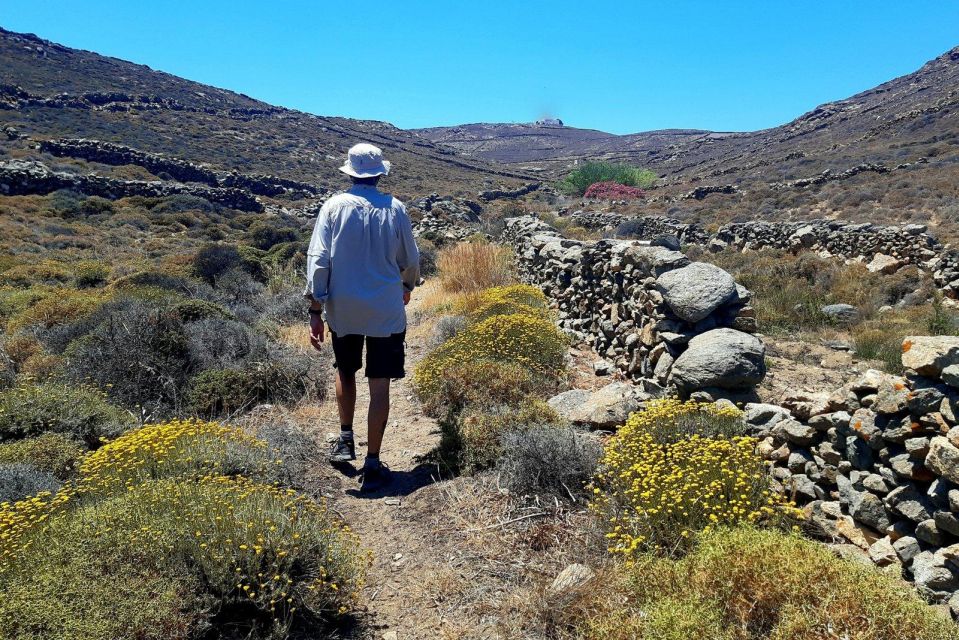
483	382
515	298
655	492
240	543
531	342
177	448
186	498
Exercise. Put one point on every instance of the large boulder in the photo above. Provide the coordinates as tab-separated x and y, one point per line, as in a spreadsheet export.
608	407
723	358
929	355
696	290
882	263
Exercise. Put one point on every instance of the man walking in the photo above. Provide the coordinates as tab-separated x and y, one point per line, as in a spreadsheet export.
362	265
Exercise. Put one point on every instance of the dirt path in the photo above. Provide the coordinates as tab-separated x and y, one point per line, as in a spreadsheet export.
453	558
399	523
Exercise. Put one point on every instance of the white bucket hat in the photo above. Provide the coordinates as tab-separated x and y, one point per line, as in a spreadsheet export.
365	161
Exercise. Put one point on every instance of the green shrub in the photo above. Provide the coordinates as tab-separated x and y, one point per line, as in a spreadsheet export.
588	173
66	588
263	235
46	272
216	259
77	411
222	391
481	430
192	310
747	584
51	452
483	383
90	273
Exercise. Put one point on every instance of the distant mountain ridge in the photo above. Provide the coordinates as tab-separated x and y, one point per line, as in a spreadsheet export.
48	90
898	121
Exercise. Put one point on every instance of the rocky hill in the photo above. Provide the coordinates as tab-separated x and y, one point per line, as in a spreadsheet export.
890	153
911	116
49	91
552	145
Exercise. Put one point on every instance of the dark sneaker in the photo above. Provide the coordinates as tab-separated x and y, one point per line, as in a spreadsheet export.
376	475
343	450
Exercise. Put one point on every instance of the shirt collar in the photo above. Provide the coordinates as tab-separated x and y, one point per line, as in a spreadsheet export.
363	188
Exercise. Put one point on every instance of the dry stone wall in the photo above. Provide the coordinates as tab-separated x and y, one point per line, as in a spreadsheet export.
876	463
894	245
671	324
21	177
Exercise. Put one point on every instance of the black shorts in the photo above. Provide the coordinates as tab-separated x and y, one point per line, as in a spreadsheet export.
385	357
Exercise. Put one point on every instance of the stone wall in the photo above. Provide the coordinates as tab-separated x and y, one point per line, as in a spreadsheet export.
19	177
670	324
644	226
876	463
178	169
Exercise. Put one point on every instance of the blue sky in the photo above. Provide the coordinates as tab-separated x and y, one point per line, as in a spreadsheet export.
620	67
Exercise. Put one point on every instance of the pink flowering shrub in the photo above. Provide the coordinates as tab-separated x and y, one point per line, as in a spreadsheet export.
613	191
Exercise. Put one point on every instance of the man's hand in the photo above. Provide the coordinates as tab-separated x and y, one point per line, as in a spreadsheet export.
316	331
406	297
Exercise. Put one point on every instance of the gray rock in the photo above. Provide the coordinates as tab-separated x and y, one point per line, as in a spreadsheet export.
696	290
827	421
841	313
723	358
943	459
950	375
764	416
922	401
796	432
908	502
566	402
906	548
608	407
927	531
892	396
882	552
929	355
946	521
869	510
931	575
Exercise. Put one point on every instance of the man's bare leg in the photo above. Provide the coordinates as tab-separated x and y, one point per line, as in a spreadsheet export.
345	396
379	413
343	449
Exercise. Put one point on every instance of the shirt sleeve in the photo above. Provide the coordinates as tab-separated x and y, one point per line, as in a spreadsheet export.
318	257
408	255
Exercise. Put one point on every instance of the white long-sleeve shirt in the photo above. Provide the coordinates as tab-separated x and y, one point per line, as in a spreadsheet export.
362	257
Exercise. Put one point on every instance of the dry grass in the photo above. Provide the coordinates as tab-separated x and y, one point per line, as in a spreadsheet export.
474	266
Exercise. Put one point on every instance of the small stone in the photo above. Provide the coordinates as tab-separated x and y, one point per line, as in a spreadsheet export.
946	521
569	583
909	503
892	396
950	375
393	502
797	432
943	459
906	548
882	552
927	531
917	447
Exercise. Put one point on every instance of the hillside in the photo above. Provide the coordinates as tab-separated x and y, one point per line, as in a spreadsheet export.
51	91
531	143
891	153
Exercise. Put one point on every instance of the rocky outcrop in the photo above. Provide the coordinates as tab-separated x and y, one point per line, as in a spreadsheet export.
443	219
702	191
645	227
499	194
177	169
641	306
19	177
